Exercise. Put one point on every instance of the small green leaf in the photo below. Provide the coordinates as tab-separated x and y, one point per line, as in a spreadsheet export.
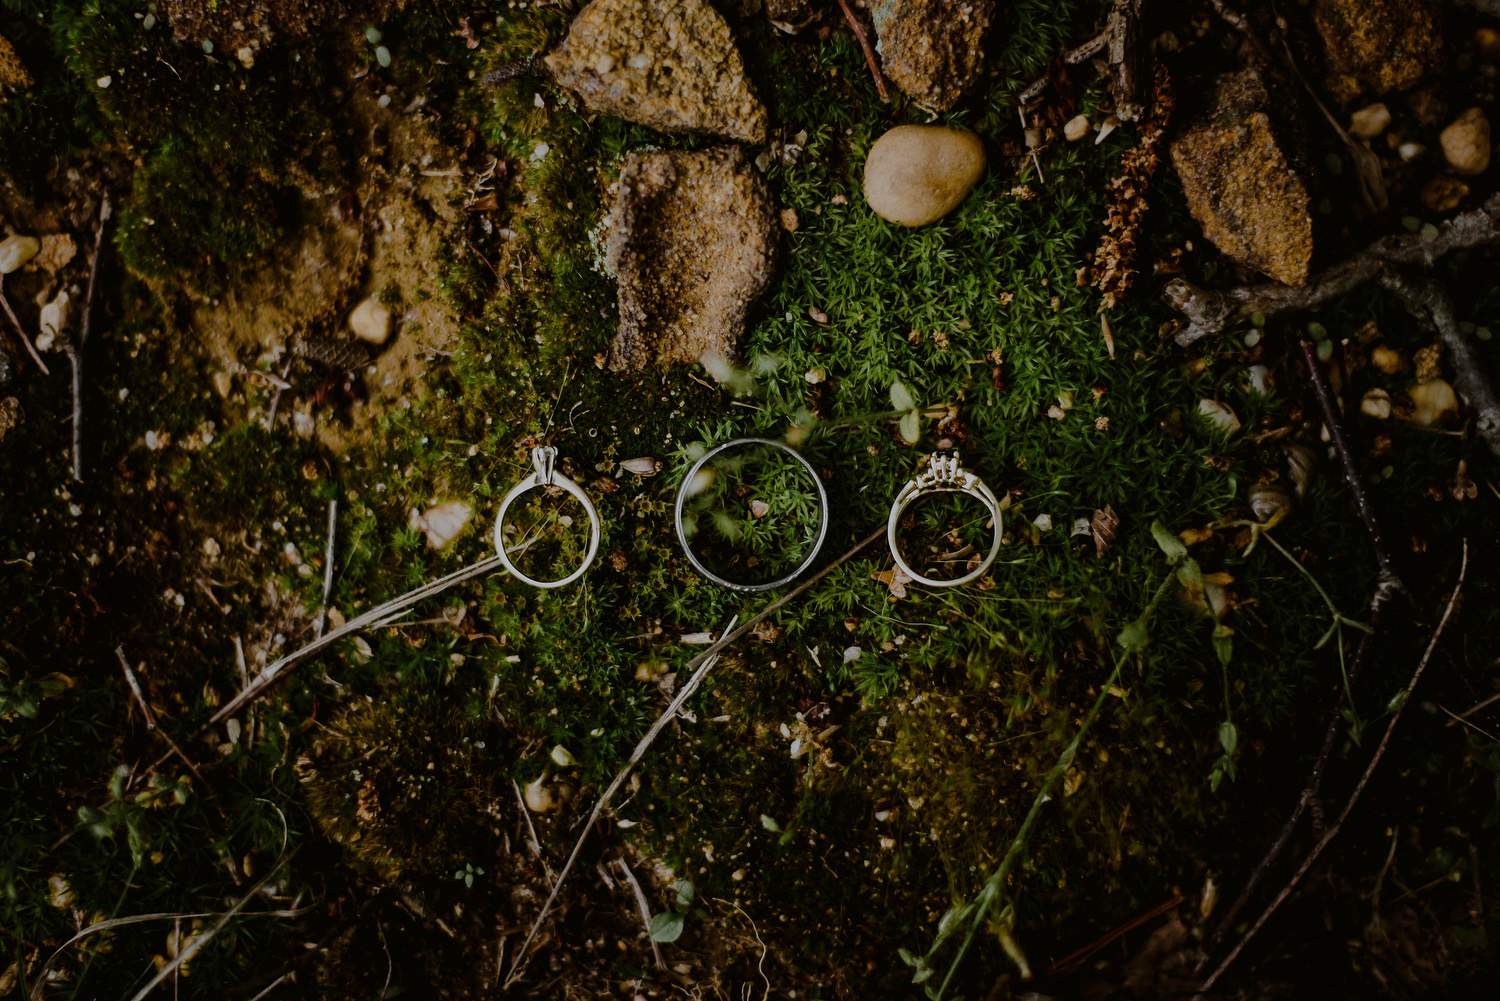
666	927
1215	779
685	892
906	956
911	427
901	398
769	823
1134	636
1397	701
468	879
1170	544
923	972
1229	737
1223	643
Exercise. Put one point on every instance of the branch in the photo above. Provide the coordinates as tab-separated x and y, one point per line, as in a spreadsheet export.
1072	57
75	348
20	331
1211	311
1432	307
1359	788
864	43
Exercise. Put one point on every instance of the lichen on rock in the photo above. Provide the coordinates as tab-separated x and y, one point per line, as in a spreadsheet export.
692	241
13	73
672	67
932	49
1378	46
1241	174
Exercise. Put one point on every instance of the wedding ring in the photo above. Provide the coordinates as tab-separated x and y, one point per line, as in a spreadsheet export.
691	478
543	461
944	474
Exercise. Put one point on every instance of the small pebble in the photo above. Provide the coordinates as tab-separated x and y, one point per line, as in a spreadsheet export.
371	321
1369	121
1388	360
1466	143
1252	338
1487	43
1410	151
104	81
1443	193
15	251
1435	400
1077	128
1376	403
246	56
53	321
916	174
383	56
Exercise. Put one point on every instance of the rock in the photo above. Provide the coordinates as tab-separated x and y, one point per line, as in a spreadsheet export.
15	251
1378	46
13	73
371	321
1219	416
1443	193
1240	171
1369	121
56	251
443	523
931	49
1376	403
1487	43
1410	151
672	67
1387	359
246	55
53	321
223	383
1434	401
1077	128
692	243
916	174
7	366
791	16
1466	143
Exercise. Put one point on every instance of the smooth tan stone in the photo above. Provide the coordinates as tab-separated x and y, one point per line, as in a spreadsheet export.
916	174
1369	121
1466	143
371	322
15	251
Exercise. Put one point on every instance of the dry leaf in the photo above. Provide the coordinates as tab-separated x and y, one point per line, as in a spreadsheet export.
1461	486
1104	526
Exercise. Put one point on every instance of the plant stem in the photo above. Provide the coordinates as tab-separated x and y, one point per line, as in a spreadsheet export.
864	43
994	887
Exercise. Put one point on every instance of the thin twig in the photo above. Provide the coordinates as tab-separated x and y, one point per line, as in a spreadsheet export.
1351	471
1072	57
1073	959
333	513
1310	787
1359	788
640	899
75	348
280	384
760	967
140	697
21	331
864	43
1459	719
1474	709
535	843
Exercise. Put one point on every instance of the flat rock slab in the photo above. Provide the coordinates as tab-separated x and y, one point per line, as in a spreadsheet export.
673	67
932	49
1378	46
1240	175
692	242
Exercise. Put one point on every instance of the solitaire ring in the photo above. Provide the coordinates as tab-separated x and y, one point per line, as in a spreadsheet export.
684	491
543	461
944	474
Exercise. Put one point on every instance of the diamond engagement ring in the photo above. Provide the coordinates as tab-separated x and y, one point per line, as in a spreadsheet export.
944	474
543	461
687	488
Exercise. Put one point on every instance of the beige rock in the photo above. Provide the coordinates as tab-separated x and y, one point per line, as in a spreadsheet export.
1443	193
541	797
1219	415
1466	143
223	383
1077	128
246	56
15	251
371	321
1387	359
916	174
1376	403
54	320
57	250
670	66
1434	401
692	243
1369	121
932	49
443	523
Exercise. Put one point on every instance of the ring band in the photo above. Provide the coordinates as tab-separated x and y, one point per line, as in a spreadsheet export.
543	461
682	495
944	474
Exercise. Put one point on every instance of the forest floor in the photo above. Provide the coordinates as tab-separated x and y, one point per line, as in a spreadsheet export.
856	768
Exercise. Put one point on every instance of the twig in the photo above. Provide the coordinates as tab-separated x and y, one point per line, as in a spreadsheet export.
864	43
667	715
1211	311
760	967
535	843
640	899
1310	787
531	65
1390	857
1072	960
280	385
1432	307
1351	471
1459	719
333	513
140	697
1125	83
1072	57
1474	709
1359	788
274	984
699	666
21	331
74	348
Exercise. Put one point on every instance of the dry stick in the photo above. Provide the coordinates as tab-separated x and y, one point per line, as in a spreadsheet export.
1351	471
864	43
281	384
1073	959
140	697
1432	307
640	899
535	843
1310	788
1210	311
1072	57
75	348
699	665
333	513
20	331
1359	788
